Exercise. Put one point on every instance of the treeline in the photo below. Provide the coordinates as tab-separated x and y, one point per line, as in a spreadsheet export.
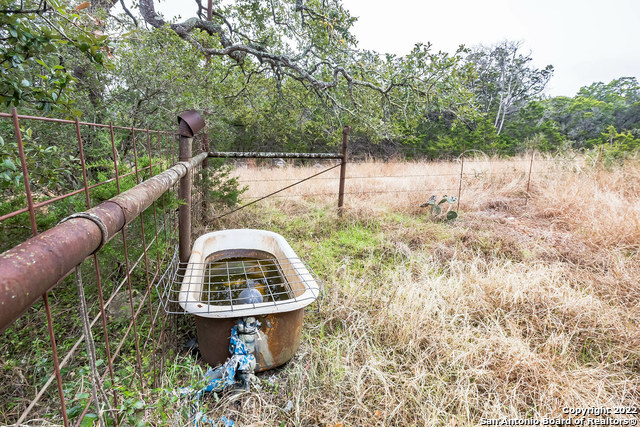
70	60
601	113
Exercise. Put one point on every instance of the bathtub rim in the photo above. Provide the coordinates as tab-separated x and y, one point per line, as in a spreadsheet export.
191	286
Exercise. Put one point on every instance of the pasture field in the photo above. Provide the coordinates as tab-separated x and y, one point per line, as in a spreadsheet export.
526	304
513	310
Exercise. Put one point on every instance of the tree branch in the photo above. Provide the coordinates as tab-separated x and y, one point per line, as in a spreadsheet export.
239	51
128	12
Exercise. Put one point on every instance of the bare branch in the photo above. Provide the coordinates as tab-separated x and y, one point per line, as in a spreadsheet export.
128	12
201	9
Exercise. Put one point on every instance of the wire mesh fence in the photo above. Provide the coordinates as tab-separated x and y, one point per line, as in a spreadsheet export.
41	186
412	178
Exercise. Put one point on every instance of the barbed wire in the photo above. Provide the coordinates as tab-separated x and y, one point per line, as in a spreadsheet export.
277	191
474	175
466	161
425	191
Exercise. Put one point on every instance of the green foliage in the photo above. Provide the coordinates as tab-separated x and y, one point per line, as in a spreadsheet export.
585	117
132	407
219	189
613	147
33	66
45	175
487	98
622	141
506	81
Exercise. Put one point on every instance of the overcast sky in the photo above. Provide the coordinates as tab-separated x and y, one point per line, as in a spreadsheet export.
585	40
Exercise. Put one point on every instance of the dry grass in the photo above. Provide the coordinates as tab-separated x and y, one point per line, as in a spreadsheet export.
511	311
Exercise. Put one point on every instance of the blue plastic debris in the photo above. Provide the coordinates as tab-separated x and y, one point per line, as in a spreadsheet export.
230	374
222	421
226	375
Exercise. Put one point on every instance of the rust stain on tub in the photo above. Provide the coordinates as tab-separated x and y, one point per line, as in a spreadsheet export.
279	331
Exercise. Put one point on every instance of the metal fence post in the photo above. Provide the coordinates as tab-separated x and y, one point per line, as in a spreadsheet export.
184	194
205	148
203	176
189	124
526	200
599	163
464	150
343	167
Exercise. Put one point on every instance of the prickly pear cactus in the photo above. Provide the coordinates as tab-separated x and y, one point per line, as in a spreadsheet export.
440	210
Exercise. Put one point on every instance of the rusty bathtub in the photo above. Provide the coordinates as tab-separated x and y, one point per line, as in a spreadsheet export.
280	320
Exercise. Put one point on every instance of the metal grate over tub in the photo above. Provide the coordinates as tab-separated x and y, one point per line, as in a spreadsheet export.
226	266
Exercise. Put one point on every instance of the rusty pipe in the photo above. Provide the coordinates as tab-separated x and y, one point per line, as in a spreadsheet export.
184	211
30	269
261	155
